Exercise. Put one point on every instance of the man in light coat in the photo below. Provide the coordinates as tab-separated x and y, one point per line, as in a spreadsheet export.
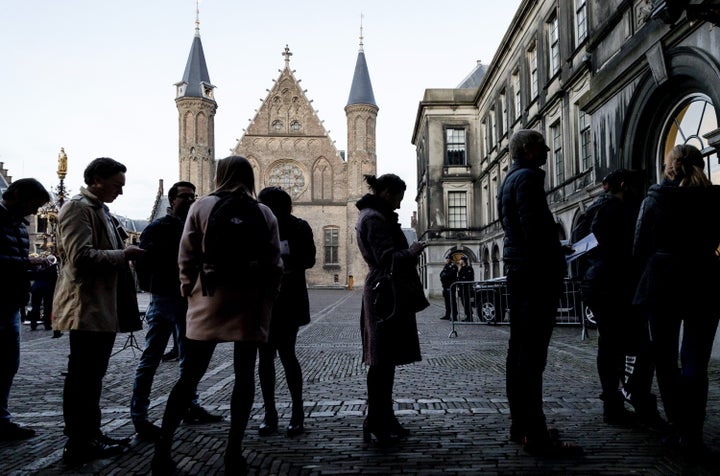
94	299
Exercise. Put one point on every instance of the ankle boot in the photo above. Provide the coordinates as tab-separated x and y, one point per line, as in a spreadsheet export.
297	420
269	425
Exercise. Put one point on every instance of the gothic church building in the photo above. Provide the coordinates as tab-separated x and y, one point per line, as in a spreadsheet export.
288	146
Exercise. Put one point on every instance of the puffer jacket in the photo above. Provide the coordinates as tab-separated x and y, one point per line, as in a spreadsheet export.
14	262
531	233
676	240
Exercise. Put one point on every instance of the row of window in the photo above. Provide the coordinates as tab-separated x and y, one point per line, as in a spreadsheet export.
278	125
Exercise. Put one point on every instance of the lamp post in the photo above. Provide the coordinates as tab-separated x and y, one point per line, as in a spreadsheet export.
61	173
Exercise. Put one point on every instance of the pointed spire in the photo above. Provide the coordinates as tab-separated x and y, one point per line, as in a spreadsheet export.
196	79
361	91
287	56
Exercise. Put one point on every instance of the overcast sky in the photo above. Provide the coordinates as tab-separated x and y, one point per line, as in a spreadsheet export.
97	77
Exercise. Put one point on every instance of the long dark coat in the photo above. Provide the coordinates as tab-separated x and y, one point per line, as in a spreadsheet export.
381	241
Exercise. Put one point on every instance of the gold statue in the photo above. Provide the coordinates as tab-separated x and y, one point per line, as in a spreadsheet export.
62	163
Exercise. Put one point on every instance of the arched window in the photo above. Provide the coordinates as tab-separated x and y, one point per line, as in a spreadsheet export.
691	118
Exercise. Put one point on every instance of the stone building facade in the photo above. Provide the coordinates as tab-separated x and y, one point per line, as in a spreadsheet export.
289	147
610	83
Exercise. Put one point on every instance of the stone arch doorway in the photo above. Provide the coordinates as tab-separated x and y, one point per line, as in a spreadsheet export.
680	108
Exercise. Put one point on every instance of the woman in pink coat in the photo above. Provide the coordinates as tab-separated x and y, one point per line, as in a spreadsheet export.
236	309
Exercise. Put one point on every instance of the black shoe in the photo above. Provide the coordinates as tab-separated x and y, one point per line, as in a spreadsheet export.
170	356
551	448
162	465
57	334
268	427
620	417
108	440
235	463
468	319
14	432
383	435
147	431
397	429
197	415
445	318
78	453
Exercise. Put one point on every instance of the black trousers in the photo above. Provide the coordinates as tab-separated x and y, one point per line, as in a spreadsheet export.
450	303
197	358
533	299
88	361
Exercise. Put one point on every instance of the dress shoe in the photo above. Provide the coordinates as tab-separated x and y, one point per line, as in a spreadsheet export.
198	415
76	453
13	432
445	318
147	431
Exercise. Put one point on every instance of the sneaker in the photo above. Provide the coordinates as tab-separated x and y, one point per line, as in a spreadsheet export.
108	440
170	356
13	432
198	415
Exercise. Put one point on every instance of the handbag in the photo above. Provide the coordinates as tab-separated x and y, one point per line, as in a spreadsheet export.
396	293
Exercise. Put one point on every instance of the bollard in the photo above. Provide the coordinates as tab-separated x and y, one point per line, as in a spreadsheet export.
350	282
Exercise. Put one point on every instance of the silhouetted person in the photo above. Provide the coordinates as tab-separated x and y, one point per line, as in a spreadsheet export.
23	197
290	311
535	264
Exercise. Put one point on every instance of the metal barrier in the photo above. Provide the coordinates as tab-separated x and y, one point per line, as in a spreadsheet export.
491	304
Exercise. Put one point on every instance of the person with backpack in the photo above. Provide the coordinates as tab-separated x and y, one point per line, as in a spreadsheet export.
290	311
608	285
230	272
158	274
535	265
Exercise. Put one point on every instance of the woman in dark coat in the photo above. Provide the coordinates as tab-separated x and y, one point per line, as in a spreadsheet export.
389	334
677	240
290	311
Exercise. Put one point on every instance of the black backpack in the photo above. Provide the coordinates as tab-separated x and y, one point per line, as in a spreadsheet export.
237	245
582	228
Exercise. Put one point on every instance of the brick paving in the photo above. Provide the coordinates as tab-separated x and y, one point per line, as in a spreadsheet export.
453	402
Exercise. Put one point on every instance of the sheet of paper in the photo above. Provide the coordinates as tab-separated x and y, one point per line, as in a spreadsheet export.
582	246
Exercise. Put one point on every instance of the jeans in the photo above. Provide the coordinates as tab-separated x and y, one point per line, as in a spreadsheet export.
533	299
684	389
164	315
9	357
88	361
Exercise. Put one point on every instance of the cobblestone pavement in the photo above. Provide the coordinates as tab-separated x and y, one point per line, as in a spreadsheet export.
453	402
